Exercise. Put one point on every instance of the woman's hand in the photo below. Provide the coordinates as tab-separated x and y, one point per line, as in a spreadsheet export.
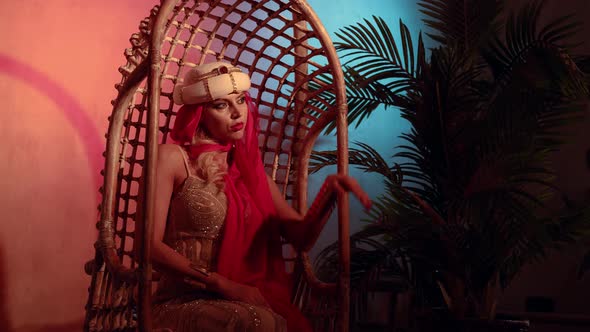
232	290
194	283
344	183
303	231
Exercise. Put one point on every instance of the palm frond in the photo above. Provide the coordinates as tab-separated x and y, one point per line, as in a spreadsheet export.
524	43
372	48
365	157
364	96
368	256
466	23
468	191
377	74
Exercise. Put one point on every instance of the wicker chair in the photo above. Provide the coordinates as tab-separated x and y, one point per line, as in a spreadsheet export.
297	83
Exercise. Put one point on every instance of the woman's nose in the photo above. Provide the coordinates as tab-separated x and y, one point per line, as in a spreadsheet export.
235	111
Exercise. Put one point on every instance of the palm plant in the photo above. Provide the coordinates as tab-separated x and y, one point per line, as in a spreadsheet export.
469	197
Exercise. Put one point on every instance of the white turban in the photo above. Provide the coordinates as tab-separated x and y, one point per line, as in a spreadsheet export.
210	81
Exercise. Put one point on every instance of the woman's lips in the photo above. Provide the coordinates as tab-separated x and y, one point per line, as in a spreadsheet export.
237	126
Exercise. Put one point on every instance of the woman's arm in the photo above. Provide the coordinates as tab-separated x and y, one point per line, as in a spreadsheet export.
169	166
170	172
303	231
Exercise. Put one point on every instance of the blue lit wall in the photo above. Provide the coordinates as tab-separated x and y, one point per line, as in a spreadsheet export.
555	278
384	126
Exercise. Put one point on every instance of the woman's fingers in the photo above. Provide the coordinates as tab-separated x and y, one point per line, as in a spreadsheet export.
194	283
362	196
260	300
337	186
349	184
255	297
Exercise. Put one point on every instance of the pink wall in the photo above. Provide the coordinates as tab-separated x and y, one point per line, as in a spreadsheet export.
58	66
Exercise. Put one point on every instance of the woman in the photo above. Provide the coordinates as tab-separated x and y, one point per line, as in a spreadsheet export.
219	217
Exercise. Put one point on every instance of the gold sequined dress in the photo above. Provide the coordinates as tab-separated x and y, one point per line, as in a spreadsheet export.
195	221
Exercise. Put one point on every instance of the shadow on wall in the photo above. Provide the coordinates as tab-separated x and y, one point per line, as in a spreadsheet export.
69	104
5	324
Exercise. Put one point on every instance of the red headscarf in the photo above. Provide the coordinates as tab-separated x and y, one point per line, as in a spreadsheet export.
251	250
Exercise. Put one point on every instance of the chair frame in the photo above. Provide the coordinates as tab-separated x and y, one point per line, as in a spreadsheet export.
144	59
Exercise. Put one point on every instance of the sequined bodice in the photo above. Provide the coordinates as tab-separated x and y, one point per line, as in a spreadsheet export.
195	220
194	227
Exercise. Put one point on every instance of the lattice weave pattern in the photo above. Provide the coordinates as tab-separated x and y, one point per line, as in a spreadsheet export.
291	77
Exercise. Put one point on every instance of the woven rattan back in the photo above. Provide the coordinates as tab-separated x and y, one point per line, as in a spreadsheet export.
296	83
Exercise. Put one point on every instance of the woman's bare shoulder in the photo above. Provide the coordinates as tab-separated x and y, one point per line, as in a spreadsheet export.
170	157
169	150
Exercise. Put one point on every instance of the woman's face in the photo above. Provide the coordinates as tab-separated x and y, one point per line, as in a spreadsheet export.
224	119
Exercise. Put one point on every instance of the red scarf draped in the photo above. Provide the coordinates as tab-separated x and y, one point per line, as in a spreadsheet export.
251	250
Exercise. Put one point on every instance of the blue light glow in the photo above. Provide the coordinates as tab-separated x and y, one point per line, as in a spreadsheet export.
382	129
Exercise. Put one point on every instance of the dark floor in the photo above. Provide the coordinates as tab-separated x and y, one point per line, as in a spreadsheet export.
533	328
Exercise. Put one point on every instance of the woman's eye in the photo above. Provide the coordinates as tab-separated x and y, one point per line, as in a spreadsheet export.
241	100
219	106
